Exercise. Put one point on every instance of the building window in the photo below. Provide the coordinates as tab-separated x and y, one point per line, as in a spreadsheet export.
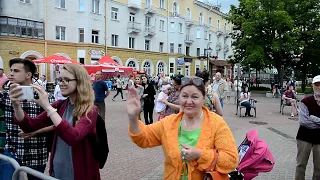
60	33
132	64
205	35
171	68
147	68
81	5
198	35
160	67
95	6
180	48
131	42
25	1
175	9
172	26
209	37
198	51
180	27
81	35
148	3
218	26
171	47
187	50
162	5
161	47
210	21
131	17
188	14
81	60
147	45
225	27
114	13
60	4
114	40
95	36
161	25
201	18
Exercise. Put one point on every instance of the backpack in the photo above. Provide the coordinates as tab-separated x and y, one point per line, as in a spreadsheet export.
98	142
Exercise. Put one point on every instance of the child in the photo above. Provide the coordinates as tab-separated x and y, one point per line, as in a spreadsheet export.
160	106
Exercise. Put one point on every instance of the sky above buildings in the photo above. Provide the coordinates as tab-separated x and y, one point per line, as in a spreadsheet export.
225	4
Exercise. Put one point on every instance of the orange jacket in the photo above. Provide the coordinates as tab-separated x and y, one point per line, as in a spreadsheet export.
214	133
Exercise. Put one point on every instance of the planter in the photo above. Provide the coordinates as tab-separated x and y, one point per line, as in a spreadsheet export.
269	94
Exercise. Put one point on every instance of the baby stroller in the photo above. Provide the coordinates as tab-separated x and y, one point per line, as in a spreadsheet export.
254	157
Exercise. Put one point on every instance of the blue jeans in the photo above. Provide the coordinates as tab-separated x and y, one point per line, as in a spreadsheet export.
221	102
247	105
6	168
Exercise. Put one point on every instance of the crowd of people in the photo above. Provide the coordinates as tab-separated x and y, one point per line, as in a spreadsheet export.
190	126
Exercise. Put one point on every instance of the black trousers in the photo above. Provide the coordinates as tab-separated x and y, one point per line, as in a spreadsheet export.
119	90
148	112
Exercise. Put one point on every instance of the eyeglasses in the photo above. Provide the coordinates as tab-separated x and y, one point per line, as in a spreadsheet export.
65	81
193	81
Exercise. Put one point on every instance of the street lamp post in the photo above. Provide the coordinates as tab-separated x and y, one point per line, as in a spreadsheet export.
249	76
207	53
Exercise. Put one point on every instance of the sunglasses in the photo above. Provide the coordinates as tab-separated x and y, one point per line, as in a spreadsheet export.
192	81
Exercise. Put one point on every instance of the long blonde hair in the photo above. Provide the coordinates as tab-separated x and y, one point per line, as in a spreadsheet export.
84	100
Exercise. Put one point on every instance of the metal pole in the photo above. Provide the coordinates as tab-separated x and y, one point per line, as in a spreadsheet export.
249	77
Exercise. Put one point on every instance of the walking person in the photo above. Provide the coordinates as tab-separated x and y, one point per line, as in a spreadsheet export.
21	73
148	99
309	132
220	87
193	140
212	101
71	154
101	92
291	99
119	88
230	87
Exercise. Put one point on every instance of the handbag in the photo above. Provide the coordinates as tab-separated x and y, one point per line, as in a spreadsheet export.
211	174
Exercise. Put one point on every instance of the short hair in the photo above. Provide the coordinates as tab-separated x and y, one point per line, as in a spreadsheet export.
130	76
118	76
28	65
177	78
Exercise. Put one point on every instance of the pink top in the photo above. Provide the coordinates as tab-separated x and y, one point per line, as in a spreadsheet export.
3	79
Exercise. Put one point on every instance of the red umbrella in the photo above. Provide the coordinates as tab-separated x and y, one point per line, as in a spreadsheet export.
55	59
108	60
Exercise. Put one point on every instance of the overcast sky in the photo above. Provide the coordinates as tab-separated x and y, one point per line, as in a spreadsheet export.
225	4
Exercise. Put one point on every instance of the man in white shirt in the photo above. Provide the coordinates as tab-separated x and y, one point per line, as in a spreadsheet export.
119	89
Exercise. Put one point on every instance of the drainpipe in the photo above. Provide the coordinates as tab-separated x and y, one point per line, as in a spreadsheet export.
106	22
49	74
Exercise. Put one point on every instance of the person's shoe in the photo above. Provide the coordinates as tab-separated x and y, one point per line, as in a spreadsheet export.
124	100
292	115
112	99
249	115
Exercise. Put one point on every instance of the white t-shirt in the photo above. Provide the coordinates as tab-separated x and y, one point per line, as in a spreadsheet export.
119	83
245	96
160	106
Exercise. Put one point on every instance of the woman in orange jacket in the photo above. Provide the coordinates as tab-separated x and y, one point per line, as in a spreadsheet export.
194	141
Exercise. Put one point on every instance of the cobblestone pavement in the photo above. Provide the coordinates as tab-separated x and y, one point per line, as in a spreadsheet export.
127	161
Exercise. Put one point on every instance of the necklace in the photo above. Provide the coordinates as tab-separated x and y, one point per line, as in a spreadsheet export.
185	123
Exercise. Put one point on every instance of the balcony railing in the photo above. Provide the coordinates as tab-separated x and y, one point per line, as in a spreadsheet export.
149	31
134	27
174	14
189	39
150	10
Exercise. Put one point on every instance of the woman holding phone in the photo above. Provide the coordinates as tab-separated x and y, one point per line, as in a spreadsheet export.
71	154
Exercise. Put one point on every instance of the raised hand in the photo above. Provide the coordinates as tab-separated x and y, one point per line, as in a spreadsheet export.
133	104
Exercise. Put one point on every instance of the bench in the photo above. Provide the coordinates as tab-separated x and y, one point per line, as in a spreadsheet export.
253	106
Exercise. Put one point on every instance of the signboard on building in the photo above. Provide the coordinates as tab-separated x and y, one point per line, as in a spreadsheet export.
188	60
96	52
180	61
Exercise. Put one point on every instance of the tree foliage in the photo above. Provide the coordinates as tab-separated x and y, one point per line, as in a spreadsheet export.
267	31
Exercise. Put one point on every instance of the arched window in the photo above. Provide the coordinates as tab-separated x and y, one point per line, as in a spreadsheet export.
147	68
201	18
188	14
132	64
160	67
175	8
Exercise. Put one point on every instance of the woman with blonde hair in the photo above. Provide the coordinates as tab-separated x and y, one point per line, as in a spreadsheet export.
71	154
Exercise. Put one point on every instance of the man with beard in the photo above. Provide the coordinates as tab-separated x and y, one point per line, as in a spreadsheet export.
308	137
